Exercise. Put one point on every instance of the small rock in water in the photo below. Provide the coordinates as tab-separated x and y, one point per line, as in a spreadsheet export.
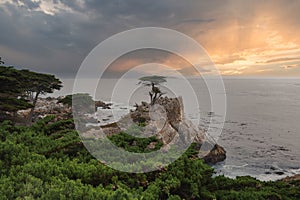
217	154
283	148
210	113
279	173
101	104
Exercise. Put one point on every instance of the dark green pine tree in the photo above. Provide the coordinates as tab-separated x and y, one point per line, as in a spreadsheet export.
20	89
11	91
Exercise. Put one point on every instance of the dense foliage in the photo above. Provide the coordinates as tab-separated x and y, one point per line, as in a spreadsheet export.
20	89
80	102
12	90
48	161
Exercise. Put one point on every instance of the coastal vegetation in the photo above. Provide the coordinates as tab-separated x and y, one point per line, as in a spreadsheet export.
20	89
47	160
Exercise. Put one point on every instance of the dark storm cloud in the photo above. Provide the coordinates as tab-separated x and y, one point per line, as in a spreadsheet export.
58	39
28	3
40	37
32	32
58	43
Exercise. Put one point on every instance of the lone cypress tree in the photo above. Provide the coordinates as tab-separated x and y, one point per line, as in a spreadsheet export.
153	82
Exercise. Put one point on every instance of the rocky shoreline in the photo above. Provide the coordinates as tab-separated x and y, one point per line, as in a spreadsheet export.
291	178
52	106
165	120
169	130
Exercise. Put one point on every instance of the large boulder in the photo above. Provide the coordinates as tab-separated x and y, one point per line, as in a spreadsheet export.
174	110
292	178
217	154
165	119
103	105
48	106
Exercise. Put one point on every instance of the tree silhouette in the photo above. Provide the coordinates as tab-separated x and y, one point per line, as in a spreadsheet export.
1	61
20	89
153	82
39	84
11	91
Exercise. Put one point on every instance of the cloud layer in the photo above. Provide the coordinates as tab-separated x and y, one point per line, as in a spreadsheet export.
242	38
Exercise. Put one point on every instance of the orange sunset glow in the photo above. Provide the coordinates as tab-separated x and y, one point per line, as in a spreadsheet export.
266	42
150	99
243	38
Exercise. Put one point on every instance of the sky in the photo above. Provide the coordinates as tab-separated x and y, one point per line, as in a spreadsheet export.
243	38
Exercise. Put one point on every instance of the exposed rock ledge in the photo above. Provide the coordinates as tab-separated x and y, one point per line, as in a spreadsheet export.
166	121
291	178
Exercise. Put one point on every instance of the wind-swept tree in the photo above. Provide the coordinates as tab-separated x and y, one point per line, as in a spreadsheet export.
1	61
11	91
20	89
39	84
153	82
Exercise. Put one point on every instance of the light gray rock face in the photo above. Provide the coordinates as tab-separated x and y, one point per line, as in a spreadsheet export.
165	120
48	106
174	110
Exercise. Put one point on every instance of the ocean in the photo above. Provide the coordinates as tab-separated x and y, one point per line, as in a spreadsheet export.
261	132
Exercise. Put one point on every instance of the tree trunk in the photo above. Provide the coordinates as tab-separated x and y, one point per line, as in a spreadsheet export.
151	98
29	122
154	98
153	93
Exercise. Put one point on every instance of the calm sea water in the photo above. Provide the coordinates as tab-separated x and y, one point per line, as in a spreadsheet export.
261	133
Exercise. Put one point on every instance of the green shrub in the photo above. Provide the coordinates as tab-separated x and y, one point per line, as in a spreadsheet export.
48	161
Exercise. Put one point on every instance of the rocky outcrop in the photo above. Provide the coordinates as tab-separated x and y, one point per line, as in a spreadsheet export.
48	106
141	113
291	178
51	106
217	154
174	110
165	119
111	129
103	105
